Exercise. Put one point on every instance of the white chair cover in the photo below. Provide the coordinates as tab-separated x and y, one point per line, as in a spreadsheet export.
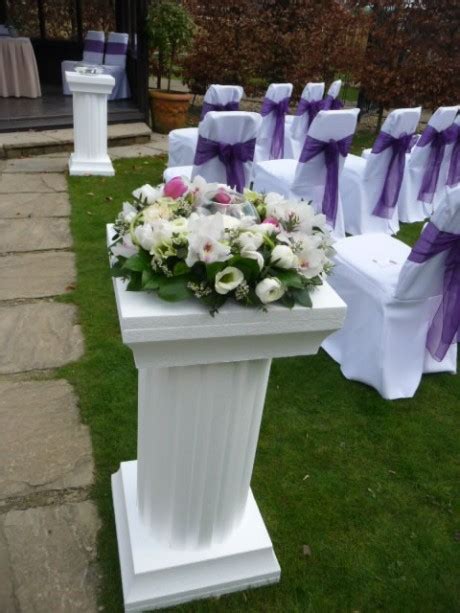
411	209
362	180
225	127
182	142
391	303
275	92
296	126
308	180
115	64
93	53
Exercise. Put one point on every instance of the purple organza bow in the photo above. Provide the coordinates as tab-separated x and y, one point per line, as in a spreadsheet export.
230	106
437	142
231	156
332	104
331	149
388	198
453	176
445	327
279	109
311	107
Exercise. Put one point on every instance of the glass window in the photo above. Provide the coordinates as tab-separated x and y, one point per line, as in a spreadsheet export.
23	15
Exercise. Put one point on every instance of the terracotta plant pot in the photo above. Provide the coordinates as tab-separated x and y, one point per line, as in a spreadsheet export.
169	110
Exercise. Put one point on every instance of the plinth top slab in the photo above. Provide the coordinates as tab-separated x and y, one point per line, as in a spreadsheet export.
90	83
247	333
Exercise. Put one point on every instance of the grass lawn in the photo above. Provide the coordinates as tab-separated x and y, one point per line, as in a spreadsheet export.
366	483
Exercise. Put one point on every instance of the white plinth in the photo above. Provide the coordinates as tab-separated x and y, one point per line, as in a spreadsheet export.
155	575
187	524
90	94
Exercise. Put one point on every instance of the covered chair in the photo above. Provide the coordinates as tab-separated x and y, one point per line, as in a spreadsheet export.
425	178
403	305
271	138
316	175
182	142
115	64
225	149
297	125
331	100
370	187
93	53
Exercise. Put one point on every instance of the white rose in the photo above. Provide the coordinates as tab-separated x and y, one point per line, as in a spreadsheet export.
272	199
228	279
254	255
147	193
250	241
283	257
145	237
128	213
269	290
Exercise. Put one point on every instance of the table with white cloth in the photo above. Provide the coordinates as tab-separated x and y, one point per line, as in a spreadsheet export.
18	69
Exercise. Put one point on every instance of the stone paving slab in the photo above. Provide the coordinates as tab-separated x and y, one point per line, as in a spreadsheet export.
12	183
36	275
36	234
45	447
37	164
38	335
50	557
15	206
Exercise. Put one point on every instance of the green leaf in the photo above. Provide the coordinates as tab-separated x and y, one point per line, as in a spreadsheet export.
135	283
213	269
180	268
249	268
303	297
138	262
290	278
174	289
288	300
149	280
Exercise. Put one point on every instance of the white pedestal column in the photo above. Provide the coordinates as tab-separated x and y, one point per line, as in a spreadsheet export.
90	94
187	523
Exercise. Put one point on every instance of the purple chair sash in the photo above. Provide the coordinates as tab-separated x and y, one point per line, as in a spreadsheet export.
93	46
437	142
230	106
388	198
453	176
116	48
311	107
279	109
332	104
231	156
331	149
445	327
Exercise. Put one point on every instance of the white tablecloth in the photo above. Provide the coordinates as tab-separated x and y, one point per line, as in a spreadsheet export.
18	69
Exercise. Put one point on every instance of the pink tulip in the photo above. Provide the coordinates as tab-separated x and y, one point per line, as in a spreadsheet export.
175	188
222	197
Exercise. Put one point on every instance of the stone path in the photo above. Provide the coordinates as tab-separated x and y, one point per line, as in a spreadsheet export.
48	524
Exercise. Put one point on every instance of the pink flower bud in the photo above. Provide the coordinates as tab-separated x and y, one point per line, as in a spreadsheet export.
175	188
222	197
272	220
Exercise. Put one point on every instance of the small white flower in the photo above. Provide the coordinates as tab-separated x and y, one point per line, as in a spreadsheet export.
311	257
283	257
128	213
125	248
272	199
269	290
254	255
147	193
144	236
250	241
228	279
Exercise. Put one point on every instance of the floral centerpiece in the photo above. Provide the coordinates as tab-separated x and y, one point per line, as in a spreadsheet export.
193	238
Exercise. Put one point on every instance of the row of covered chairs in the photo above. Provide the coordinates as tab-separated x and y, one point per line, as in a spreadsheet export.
280	132
110	55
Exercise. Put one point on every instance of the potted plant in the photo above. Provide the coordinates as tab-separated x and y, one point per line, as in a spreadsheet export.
170	31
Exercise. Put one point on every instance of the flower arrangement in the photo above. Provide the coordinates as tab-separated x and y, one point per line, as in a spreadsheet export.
193	238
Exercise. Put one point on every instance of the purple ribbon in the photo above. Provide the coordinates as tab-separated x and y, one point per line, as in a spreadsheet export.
395	171
332	104
331	149
230	106
116	49
445	327
311	107
437	142
93	46
279	109
453	176
231	156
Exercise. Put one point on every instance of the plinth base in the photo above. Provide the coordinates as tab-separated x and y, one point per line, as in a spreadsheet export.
155	576
90	167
